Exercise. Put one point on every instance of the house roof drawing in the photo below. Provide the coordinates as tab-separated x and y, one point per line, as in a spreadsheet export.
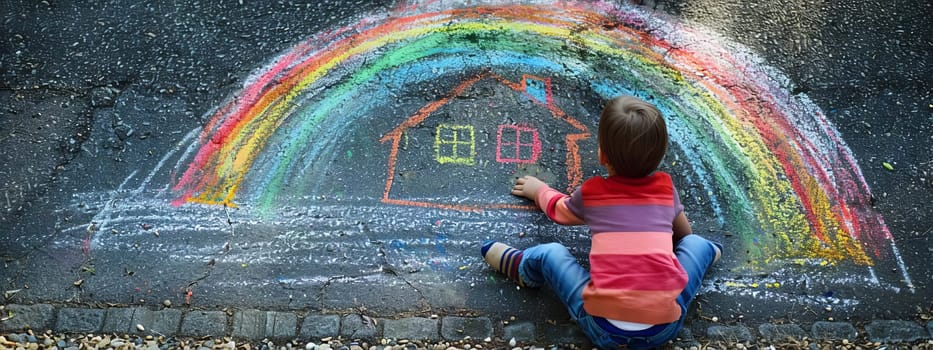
539	93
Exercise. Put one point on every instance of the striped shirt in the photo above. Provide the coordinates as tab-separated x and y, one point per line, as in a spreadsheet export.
634	273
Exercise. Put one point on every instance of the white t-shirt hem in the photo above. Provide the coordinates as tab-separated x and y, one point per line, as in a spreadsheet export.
629	326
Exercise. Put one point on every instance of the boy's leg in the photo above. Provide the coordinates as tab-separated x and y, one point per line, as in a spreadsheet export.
546	264
696	254
552	264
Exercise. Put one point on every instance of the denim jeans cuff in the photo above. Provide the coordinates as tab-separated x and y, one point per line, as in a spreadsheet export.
529	283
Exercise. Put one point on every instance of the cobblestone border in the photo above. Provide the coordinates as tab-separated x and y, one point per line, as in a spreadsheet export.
256	325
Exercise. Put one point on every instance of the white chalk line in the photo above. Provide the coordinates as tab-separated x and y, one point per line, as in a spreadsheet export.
102	218
903	267
185	140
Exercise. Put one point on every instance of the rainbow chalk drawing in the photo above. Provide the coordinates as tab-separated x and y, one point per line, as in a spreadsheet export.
776	172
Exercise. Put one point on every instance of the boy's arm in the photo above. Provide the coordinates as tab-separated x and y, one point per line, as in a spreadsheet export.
550	201
681	226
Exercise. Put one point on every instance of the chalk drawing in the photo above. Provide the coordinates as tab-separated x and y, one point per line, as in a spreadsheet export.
520	144
539	88
455	144
766	164
779	173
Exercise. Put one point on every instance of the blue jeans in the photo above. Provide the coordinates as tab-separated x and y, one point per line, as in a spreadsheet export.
552	264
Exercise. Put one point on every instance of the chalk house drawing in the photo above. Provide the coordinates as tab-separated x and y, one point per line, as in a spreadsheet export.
456	146
764	164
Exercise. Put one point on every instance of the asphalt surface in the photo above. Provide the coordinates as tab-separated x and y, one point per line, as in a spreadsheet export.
102	100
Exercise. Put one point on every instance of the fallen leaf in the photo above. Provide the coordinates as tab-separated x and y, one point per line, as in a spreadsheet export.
888	166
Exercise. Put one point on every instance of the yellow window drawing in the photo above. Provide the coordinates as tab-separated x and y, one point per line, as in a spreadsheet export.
454	144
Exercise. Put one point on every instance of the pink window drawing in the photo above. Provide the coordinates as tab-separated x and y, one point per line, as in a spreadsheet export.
517	144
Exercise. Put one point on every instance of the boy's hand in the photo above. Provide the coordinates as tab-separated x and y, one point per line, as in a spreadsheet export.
527	186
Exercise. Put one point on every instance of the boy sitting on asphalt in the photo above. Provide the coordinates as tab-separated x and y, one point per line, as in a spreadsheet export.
645	264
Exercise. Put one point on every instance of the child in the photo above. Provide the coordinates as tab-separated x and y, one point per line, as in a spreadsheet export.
645	265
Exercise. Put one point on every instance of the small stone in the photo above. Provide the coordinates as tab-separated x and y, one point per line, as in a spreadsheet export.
310	346
167	303
140	327
487	339
512	342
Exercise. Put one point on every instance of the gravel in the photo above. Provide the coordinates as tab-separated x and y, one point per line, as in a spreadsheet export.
58	341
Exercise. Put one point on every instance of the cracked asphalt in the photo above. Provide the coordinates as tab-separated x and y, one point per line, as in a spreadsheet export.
93	91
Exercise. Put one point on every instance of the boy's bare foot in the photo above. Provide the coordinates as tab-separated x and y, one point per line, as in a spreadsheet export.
718	254
527	186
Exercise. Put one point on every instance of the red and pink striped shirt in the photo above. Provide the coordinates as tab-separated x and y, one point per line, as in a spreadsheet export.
634	273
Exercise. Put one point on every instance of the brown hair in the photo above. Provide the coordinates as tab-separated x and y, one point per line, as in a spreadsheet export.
632	136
